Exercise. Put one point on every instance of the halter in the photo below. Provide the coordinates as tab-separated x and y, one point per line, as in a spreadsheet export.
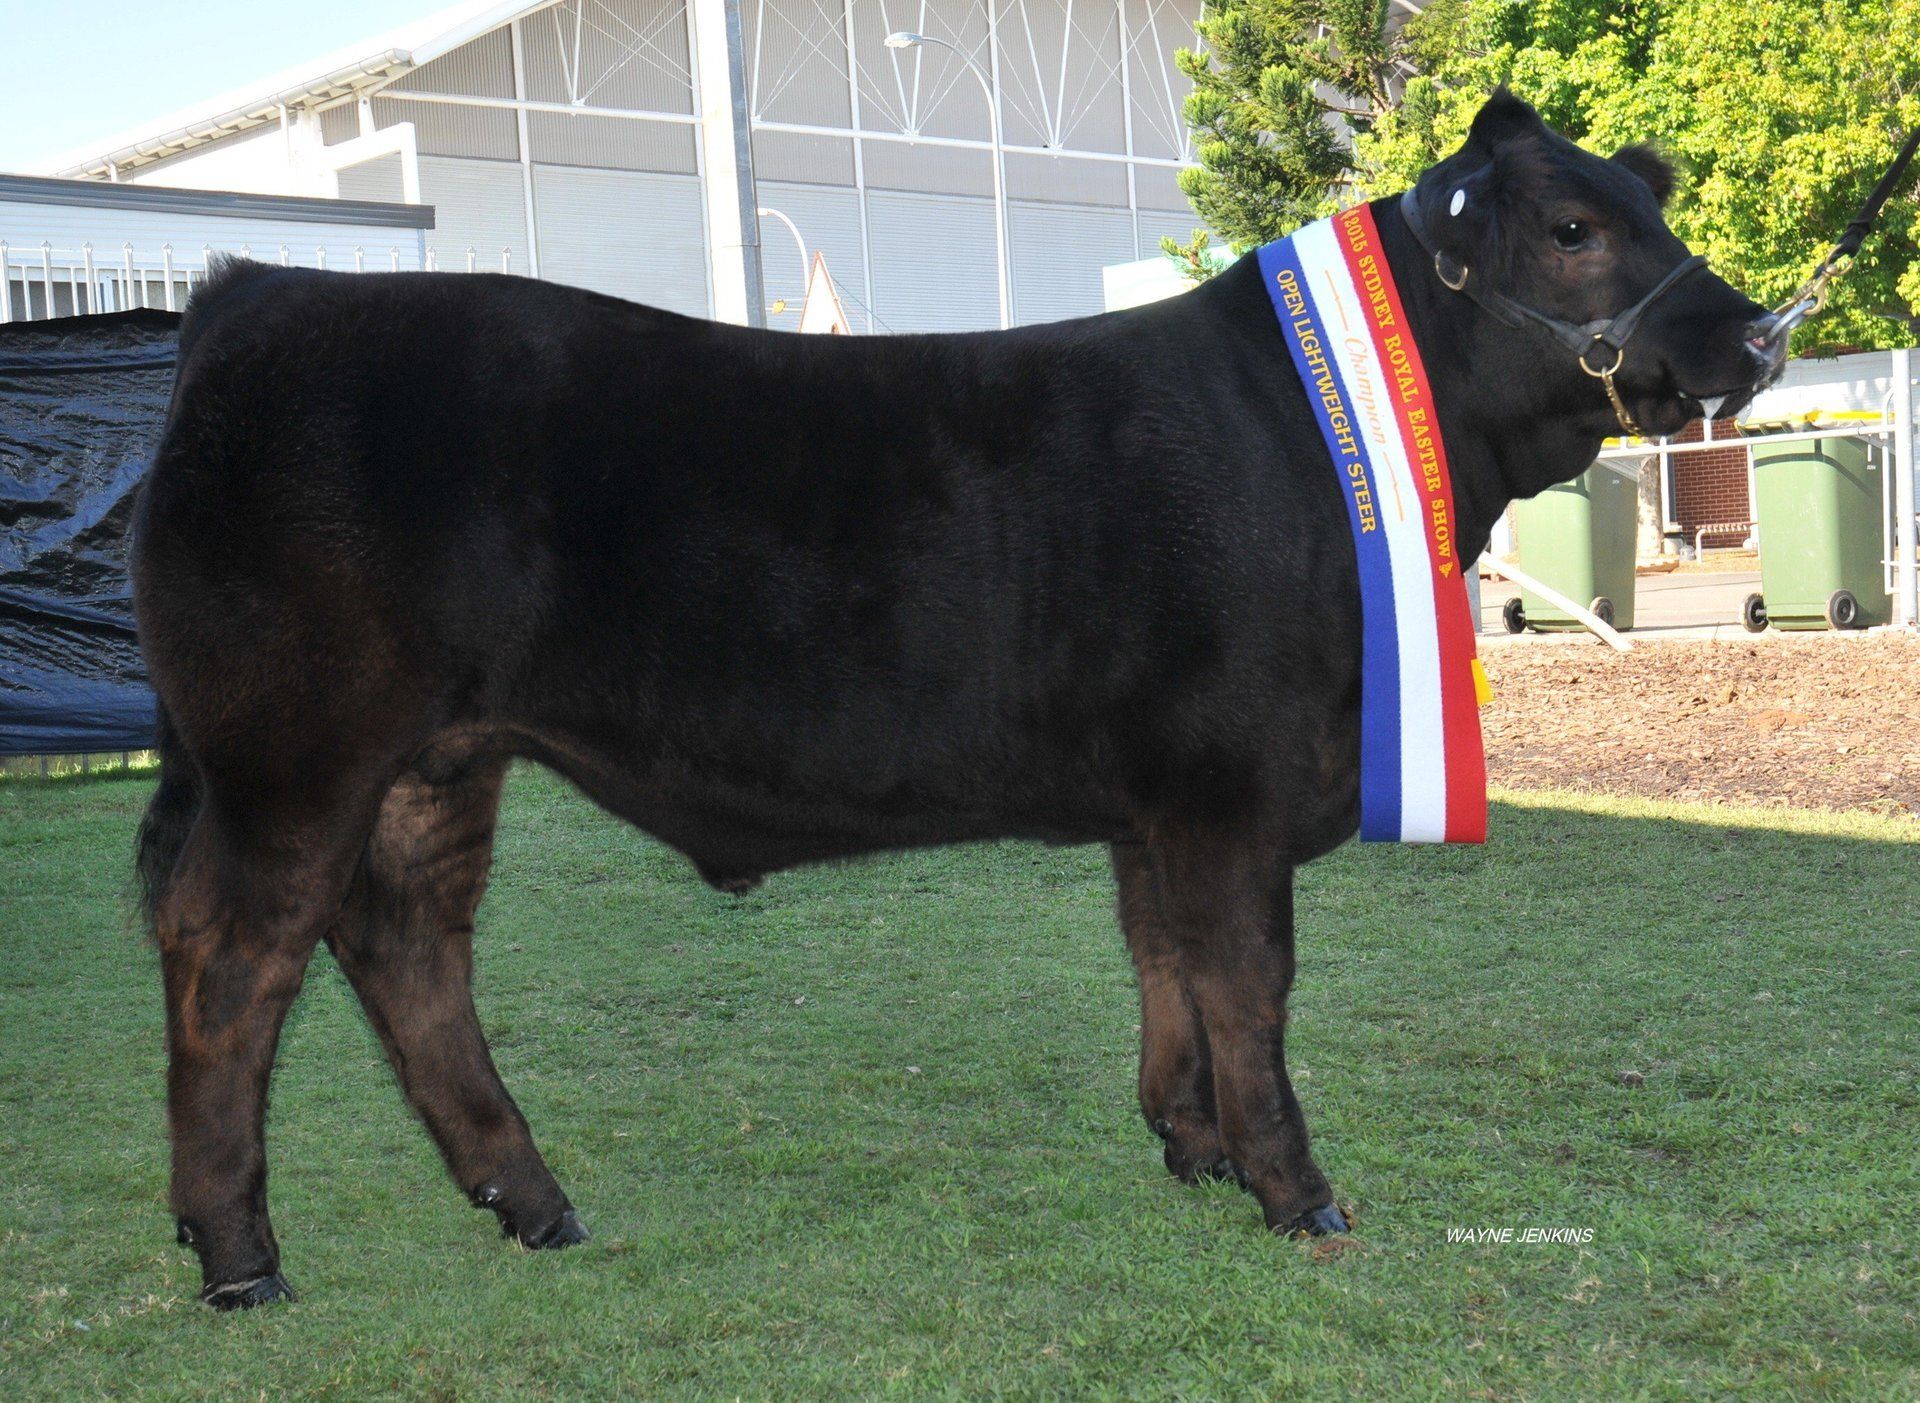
1587	340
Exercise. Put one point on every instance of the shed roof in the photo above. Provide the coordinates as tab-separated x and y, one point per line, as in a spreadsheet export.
161	199
370	63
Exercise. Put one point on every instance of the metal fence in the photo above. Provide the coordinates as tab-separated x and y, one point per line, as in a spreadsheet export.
42	281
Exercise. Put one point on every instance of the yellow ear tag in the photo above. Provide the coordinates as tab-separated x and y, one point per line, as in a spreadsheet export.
1482	689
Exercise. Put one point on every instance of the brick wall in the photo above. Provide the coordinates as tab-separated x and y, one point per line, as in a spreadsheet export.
1711	486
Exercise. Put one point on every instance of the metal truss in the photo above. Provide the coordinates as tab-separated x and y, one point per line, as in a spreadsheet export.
1051	61
573	20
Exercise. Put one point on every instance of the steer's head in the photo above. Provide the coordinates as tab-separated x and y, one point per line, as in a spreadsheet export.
1531	217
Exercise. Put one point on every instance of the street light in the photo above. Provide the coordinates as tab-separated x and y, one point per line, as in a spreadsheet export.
806	264
905	39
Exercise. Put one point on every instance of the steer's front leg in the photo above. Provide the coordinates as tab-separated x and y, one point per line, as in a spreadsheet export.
1228	903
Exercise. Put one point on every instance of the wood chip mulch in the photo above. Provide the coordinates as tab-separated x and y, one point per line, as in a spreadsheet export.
1809	721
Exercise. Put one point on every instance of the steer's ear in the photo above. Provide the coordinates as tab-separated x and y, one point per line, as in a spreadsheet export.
1650	166
1503	118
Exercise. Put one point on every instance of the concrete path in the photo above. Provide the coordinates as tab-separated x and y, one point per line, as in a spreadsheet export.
1703	604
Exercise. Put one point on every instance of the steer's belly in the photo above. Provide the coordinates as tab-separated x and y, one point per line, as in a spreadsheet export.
738	818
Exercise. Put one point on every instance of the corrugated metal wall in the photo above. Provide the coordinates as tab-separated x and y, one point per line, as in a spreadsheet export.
1058	252
616	201
1158	28
1156	223
1063	180
816	160
378	179
477	205
933	262
634	234
482	68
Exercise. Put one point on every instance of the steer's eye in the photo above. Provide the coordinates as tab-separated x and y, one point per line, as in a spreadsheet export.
1571	235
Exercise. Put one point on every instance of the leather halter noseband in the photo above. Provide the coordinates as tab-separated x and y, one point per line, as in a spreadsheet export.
1584	339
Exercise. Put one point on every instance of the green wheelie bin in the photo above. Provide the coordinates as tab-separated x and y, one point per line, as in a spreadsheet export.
1818	504
1578	537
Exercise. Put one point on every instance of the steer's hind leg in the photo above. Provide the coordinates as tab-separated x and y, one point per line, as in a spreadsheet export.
1176	1065
240	914
1229	904
405	940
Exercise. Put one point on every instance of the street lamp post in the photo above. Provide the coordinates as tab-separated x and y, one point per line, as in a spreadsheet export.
905	39
806	264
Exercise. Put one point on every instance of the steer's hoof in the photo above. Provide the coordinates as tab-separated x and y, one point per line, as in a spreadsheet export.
1316	1222
565	1231
245	1295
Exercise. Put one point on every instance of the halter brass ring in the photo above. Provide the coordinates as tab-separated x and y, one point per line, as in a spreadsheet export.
1619	359
1441	273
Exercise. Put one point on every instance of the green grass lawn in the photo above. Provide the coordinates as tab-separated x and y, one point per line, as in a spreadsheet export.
871	1130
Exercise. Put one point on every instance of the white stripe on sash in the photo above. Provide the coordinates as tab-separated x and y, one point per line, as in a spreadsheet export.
1423	779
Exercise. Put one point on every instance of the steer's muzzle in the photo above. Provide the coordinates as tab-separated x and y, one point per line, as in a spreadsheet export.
1767	341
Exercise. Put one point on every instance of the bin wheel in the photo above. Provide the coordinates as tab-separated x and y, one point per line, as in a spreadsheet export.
1603	607
1843	610
1753	614
1514	615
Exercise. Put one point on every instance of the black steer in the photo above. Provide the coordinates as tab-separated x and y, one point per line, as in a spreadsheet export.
778	599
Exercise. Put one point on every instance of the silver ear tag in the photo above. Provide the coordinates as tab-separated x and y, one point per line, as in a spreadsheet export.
1459	202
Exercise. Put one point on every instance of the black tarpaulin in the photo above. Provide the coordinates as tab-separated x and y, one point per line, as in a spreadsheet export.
82	400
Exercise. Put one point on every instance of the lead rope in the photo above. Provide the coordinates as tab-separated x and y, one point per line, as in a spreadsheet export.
1813	294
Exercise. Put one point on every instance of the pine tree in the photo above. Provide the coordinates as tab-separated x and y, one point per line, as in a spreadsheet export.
1278	94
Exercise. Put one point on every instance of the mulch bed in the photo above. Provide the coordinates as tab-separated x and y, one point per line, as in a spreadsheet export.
1810	721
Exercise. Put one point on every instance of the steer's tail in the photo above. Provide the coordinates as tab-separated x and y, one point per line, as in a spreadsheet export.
170	815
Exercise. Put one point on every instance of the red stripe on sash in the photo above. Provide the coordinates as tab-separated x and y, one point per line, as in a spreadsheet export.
1412	396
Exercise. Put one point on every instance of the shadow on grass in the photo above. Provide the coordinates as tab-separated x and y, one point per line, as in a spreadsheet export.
871	1129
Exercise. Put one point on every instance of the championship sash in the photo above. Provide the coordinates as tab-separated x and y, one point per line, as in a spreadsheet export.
1423	774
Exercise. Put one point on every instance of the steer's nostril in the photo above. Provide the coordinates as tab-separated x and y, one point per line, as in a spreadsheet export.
1767	338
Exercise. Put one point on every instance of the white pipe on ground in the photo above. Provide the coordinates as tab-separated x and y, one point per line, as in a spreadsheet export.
1607	633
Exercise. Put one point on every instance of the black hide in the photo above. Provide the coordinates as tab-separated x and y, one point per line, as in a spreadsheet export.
780	598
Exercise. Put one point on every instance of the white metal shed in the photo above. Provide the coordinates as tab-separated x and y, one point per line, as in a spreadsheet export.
70	246
616	144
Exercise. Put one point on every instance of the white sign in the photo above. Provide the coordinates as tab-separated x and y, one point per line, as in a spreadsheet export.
822	311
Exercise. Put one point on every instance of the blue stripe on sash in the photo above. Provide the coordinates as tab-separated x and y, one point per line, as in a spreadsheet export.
1380	817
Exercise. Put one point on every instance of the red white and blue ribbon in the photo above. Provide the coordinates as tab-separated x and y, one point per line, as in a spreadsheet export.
1423	773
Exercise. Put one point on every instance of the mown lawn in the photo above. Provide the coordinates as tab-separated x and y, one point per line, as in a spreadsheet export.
871	1130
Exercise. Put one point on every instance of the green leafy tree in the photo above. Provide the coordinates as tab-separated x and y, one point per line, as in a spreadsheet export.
1780	118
